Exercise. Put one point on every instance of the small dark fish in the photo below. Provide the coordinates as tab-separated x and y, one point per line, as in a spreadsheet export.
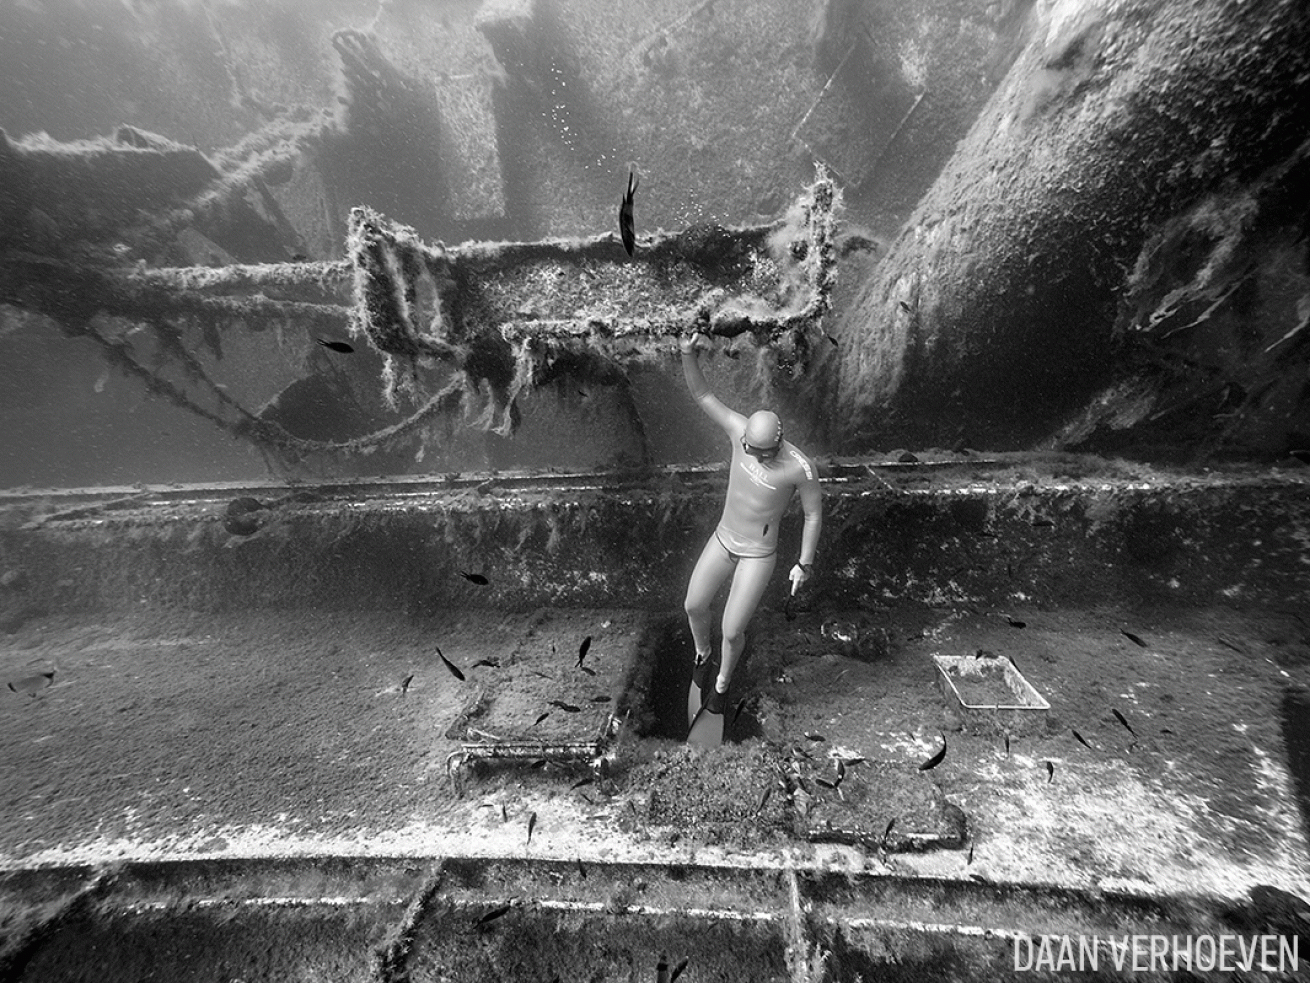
852	762
936	759
1166	730
677	970
737	712
581	782
1013	663
588	670
454	669
1007	745
1082	740
1120	717
826	783
1227	644
970	860
31	684
504	814
600	699
1135	639
815	737
581	869
979	878
404	687
566	707
475	578
886	833
495	913
582	649
908	458
662	970
493	663
1016	623
766	528
541	718
539	763
1041	520
904	306
841	771
337	346
1050	773
532	824
831	338
764	799
626	231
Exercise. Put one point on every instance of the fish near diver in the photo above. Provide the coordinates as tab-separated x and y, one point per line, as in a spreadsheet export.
626	232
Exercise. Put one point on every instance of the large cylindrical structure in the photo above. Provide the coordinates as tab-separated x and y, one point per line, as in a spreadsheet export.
991	317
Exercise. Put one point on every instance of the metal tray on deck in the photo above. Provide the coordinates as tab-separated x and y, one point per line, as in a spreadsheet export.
1018	709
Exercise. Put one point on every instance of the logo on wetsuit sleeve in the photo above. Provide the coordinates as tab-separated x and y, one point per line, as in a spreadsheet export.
805	465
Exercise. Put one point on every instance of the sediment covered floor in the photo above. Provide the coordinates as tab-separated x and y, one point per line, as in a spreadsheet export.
284	734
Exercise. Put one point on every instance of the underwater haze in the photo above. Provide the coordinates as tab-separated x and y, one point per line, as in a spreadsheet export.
145	137
1019	260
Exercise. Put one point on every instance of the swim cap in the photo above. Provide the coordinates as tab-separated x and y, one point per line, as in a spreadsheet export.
764	429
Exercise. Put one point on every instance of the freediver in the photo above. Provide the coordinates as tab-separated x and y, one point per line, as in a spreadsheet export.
764	473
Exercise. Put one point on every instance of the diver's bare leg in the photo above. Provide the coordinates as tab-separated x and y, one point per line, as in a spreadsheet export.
748	587
713	567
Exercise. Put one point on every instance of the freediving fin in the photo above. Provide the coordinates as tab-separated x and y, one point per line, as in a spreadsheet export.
702	675
706	729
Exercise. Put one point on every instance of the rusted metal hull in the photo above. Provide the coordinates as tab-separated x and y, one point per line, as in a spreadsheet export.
965	533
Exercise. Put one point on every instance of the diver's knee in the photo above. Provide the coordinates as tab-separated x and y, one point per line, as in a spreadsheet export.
734	635
695	608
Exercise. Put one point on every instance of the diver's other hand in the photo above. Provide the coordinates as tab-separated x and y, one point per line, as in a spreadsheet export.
689	343
797	577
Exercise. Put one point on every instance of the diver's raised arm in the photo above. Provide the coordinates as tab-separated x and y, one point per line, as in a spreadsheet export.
700	389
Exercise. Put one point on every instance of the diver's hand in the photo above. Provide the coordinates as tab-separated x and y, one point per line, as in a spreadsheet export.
689	343
797	577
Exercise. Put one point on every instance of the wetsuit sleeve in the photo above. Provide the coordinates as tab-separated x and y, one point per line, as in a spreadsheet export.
700	391
812	502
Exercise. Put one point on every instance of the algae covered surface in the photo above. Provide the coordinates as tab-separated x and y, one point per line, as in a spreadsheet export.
293	732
